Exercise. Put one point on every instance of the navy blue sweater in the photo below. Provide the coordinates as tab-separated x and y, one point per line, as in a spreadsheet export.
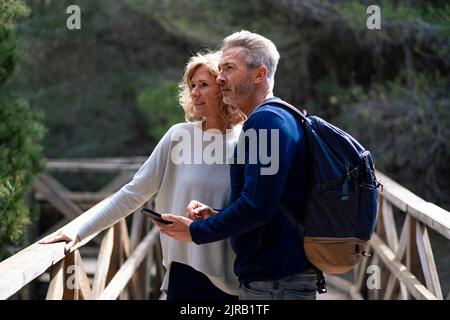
266	245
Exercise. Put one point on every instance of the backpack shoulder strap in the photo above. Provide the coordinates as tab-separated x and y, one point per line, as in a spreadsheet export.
284	105
298	226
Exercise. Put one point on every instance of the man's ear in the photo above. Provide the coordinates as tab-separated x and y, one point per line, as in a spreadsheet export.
260	73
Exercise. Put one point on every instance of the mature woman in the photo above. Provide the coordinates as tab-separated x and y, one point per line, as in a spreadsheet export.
190	162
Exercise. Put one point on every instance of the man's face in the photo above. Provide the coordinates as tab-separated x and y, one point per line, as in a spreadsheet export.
235	78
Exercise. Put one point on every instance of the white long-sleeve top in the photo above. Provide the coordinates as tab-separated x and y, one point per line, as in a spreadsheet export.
179	170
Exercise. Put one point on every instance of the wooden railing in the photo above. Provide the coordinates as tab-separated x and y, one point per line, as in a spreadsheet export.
120	269
129	262
401	267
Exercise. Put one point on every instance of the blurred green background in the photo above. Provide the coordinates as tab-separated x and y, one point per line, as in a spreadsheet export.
110	89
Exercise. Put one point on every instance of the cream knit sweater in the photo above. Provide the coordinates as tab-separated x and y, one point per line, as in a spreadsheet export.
171	178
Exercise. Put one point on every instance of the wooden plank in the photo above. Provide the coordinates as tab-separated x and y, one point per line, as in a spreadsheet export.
151	288
54	194
118	182
433	216
28	264
389	225
71	166
413	260
403	294
78	197
125	238
430	214
137	233
117	254
355	295
373	293
393	286
132	285
53	164
390	287
404	238
70	278
158	262
137	225
56	286
401	249
121	278
339	283
82	279
417	289
403	244
361	272
104	258
427	261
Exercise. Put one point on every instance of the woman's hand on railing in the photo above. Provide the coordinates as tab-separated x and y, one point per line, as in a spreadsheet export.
59	236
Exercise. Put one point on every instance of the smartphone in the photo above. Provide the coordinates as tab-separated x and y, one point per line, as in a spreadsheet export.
155	215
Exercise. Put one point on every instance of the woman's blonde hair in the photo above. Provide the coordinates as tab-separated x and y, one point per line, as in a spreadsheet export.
209	60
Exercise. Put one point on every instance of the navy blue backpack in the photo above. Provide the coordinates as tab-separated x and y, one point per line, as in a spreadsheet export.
341	211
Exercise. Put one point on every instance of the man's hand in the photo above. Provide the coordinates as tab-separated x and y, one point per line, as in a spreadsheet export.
179	229
197	211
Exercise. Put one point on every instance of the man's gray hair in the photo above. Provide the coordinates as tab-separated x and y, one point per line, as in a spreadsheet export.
259	50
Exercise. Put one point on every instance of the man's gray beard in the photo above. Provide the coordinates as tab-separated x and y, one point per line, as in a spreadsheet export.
243	90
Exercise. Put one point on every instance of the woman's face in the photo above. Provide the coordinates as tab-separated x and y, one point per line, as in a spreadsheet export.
205	93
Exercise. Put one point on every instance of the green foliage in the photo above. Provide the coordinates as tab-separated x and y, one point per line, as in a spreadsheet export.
21	132
87	81
407	130
20	160
10	10
209	21
93	84
8	54
160	108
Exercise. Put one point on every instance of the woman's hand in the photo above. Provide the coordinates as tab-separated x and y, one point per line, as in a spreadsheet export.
197	211
59	236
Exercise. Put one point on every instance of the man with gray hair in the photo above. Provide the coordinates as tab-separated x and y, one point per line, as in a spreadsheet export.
270	260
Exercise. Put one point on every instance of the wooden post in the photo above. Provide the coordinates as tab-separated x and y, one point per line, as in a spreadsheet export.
103	262
413	259
56	286
117	253
427	261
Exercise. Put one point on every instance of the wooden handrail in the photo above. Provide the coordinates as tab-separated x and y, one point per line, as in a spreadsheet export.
408	258
408	261
99	164
127	270
400	271
28	264
430	214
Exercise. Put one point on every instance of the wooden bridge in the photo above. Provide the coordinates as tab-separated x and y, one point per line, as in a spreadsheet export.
125	261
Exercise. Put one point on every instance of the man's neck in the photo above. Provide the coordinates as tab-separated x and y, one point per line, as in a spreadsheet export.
255	101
